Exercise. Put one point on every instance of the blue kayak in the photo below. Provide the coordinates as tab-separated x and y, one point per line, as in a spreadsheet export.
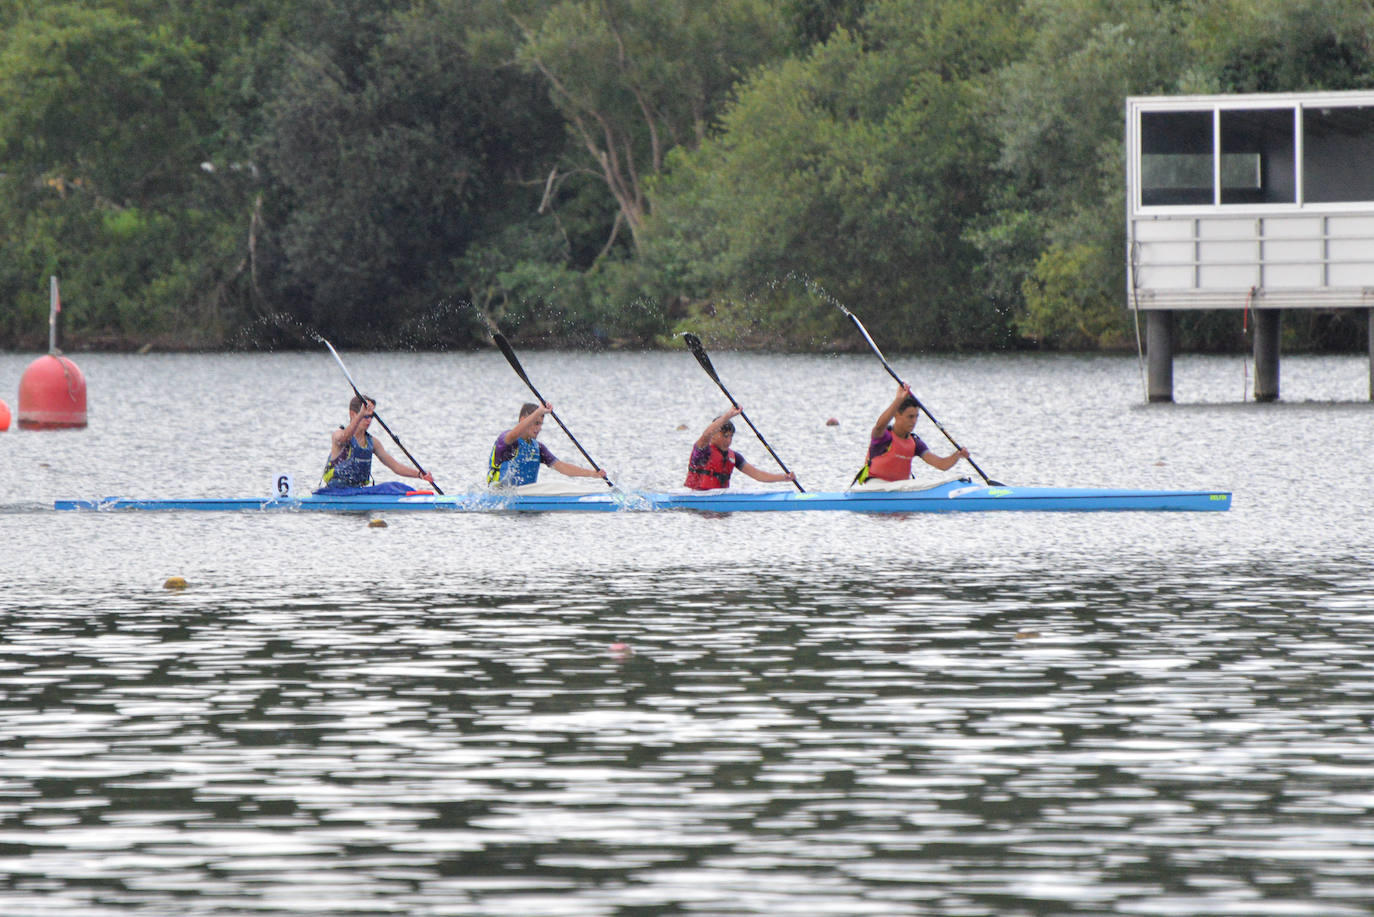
952	496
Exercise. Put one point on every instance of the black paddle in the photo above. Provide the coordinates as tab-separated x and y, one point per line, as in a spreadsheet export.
394	438
514	361
694	343
893	373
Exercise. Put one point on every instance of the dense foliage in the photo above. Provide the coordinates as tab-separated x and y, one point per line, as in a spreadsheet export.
231	173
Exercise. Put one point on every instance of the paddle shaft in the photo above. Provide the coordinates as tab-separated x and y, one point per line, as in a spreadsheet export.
394	438
698	351
893	373
514	361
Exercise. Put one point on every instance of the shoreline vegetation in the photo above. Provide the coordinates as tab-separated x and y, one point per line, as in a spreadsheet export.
591	343
222	175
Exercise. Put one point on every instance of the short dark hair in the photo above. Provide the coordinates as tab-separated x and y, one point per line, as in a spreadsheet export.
355	404
527	409
728	427
909	402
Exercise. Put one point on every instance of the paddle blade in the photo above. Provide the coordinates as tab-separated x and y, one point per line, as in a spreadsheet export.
500	340
694	344
339	360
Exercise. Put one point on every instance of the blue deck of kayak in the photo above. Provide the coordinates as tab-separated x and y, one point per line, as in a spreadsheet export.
954	496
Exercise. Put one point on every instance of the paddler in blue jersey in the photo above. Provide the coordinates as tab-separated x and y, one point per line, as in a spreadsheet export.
892	444
713	461
350	456
517	453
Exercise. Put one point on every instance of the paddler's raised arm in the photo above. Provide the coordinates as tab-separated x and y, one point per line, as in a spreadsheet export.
714	426
524	429
355	422
885	418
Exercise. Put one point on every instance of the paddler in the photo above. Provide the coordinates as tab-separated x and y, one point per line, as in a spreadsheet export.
350	455
517	454
712	460
892	445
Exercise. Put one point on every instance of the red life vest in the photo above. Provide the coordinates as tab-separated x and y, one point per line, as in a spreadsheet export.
715	473
895	463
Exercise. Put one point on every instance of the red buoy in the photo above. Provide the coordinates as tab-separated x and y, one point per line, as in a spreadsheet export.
52	394
4	417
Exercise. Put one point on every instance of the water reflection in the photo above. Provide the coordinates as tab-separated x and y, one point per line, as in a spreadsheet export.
966	743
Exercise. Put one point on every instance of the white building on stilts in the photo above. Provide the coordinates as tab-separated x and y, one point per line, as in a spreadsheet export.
1260	202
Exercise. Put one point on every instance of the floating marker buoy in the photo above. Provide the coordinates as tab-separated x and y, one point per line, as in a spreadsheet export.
52	395
682	426
174	582
833	422
4	417
377	524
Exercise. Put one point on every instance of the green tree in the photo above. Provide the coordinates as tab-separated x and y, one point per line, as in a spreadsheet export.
1281	45
1065	307
636	78
101	124
850	174
386	169
102	103
1058	114
814	21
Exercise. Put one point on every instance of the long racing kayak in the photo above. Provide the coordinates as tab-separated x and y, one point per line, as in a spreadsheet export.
951	496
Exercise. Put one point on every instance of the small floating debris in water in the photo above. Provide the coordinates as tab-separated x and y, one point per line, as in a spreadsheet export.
1027	634
833	422
682	426
175	582
621	650
1159	464
377	524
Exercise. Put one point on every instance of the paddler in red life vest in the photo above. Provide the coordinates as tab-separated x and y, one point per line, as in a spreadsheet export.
517	454
352	448
892	445
713	460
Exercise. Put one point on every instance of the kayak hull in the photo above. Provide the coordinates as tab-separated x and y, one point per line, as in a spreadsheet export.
954	496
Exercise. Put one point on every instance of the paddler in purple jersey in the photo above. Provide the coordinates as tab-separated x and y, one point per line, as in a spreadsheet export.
712	460
517	453
351	451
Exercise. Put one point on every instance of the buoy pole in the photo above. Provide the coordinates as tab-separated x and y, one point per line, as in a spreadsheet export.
54	307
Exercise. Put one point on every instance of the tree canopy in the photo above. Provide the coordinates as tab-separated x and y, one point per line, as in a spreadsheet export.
396	172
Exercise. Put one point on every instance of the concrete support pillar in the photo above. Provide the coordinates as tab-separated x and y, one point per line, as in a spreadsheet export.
1267	354
1159	352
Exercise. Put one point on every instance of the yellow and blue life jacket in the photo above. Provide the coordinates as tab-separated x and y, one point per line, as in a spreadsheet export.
521	468
353	467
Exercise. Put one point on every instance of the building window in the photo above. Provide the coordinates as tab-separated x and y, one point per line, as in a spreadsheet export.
1338	153
1176	158
1258	157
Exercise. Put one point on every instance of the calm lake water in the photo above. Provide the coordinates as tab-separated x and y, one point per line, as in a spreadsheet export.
812	714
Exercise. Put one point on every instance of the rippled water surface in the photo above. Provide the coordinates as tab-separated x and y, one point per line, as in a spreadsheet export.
673	713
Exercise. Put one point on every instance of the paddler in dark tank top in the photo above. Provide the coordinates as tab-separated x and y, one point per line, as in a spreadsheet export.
892	444
352	449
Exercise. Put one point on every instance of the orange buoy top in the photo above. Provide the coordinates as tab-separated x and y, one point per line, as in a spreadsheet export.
52	393
4	417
